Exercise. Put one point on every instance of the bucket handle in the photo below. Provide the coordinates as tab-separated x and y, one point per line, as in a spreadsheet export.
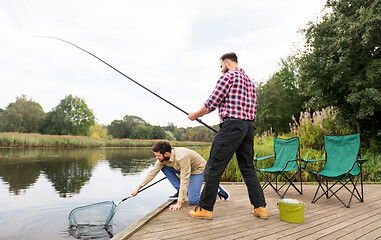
297	209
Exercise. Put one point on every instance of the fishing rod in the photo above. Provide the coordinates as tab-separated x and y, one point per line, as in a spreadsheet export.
198	120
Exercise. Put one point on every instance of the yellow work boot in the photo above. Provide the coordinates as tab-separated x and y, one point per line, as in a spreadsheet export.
201	213
261	212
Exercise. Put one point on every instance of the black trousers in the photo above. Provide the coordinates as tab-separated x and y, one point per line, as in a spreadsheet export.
235	136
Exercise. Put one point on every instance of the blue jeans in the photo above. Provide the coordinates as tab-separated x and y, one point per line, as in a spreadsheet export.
194	187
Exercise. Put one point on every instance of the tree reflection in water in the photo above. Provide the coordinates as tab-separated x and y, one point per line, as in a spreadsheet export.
67	169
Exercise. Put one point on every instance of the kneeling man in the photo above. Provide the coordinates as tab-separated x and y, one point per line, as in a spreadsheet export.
183	162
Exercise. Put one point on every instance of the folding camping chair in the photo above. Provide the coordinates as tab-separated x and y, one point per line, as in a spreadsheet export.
286	160
341	165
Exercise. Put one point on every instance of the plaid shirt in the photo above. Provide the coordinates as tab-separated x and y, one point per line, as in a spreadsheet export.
234	95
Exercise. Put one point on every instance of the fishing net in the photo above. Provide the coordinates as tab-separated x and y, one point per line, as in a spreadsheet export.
91	232
97	214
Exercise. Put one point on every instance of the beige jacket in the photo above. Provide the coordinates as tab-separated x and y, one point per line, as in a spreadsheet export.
184	160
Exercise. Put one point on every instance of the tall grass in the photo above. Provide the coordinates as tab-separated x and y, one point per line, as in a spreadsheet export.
310	129
39	140
264	147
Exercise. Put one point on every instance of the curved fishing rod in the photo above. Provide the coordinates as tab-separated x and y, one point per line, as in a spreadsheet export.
198	120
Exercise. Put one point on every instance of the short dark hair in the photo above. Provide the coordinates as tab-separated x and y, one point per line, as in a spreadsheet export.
162	147
231	56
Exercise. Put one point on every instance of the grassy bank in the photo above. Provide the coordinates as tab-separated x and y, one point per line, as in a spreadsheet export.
39	140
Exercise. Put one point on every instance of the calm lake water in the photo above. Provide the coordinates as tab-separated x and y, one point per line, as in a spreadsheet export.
39	188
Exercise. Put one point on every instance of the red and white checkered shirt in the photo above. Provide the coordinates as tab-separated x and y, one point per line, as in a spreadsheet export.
234	95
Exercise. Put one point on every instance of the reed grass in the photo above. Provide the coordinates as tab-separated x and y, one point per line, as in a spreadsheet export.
24	140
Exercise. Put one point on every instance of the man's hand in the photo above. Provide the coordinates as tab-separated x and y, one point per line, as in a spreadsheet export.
201	112
176	206
192	116
135	192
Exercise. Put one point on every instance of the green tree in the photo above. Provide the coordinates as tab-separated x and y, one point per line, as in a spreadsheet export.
24	116
199	133
117	129
98	131
131	123
341	66
141	132
158	132
279	99
178	133
70	117
170	127
126	128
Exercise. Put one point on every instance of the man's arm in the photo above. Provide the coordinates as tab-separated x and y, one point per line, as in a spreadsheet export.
151	175
135	192
201	112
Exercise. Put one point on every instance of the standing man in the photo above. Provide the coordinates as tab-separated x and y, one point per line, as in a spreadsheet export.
183	162
236	99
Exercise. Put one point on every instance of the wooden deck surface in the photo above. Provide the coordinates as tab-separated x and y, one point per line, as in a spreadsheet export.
325	219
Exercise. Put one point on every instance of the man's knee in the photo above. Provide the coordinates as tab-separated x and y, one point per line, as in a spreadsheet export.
193	201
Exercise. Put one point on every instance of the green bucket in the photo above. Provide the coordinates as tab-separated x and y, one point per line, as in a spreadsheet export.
291	210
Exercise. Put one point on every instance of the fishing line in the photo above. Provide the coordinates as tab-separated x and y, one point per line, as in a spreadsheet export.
59	39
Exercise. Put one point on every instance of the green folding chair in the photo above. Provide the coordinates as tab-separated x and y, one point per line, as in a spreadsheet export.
286	160
341	167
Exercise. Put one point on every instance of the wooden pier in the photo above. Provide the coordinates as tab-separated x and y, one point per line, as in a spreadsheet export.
325	219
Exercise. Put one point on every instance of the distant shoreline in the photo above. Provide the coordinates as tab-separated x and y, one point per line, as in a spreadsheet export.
28	140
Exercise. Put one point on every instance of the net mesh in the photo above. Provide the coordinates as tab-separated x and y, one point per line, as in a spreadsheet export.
97	214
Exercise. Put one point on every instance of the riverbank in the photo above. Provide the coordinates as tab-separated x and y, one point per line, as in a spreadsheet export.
41	140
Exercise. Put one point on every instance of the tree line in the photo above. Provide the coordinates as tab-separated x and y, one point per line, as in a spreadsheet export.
72	116
339	67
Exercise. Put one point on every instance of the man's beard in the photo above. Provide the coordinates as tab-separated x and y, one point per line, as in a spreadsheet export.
164	159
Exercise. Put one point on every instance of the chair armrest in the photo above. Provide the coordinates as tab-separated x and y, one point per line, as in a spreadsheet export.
263	158
292	160
314	160
361	161
306	161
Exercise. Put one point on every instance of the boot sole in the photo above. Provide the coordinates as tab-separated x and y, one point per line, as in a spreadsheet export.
260	217
206	218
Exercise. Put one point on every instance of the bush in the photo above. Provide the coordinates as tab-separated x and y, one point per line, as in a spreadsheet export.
312	127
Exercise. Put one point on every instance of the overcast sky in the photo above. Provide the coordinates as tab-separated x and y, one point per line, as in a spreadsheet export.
171	47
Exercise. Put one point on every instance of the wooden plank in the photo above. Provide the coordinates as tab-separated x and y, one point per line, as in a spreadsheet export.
126	233
327	218
324	219
281	229
375	234
373	224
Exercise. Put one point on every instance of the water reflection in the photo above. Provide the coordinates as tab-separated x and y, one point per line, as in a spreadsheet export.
68	170
40	187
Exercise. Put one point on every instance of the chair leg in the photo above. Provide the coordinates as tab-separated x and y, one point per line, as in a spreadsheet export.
354	192
320	182
269	180
362	185
290	183
300	179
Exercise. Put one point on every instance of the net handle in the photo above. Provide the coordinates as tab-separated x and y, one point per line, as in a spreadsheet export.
124	199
